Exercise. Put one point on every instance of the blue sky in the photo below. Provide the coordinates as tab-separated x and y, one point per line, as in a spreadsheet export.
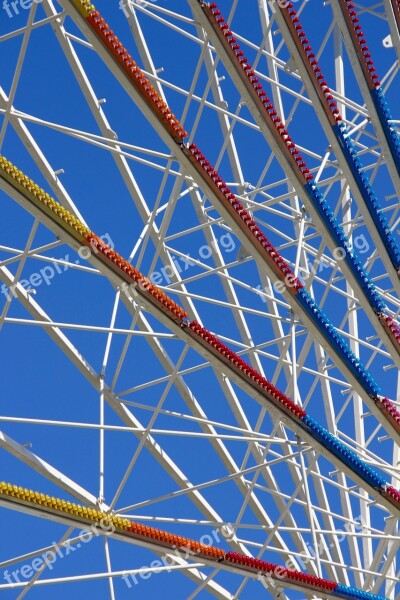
40	382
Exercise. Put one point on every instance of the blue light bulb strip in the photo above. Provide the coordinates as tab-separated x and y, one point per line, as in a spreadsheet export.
371	77
335	339
345	591
370	198
349	457
384	114
315	196
342	241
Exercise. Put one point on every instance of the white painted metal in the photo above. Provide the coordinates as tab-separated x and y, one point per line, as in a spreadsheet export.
284	500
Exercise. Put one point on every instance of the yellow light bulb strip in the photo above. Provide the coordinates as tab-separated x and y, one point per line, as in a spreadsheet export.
41	199
144	533
85	7
85	236
94	517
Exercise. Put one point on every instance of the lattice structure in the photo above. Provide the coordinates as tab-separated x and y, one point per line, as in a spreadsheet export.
236	313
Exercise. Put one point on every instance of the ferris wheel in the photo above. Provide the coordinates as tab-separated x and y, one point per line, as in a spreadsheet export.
199	307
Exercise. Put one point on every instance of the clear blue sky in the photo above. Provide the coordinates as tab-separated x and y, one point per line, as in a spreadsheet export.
39	382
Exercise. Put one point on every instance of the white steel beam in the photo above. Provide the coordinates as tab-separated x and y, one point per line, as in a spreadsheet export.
217	362
44	468
248	242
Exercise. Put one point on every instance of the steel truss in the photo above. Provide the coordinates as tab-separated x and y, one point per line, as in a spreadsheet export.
164	435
